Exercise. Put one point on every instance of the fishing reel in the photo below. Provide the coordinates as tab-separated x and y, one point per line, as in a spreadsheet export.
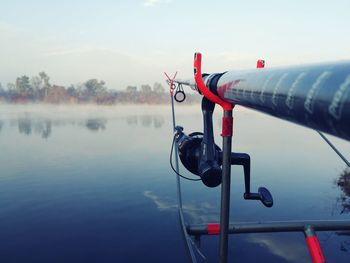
201	156
193	156
198	151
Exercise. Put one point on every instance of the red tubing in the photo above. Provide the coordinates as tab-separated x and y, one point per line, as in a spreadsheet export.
315	249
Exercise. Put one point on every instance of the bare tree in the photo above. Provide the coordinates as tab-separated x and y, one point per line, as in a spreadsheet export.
131	89
23	85
146	88
158	88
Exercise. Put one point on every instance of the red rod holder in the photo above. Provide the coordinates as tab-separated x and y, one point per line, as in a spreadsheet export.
203	88
227	121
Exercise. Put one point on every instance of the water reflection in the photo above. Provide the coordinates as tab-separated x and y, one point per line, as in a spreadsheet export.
195	212
156	121
25	126
344	245
281	247
96	124
44	128
29	125
131	120
1	124
63	183
343	183
146	121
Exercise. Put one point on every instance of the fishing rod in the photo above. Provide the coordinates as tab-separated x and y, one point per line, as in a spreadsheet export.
315	96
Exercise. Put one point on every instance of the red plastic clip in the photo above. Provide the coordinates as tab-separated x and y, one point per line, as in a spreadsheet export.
213	229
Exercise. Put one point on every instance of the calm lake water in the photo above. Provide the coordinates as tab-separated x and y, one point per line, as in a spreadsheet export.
93	184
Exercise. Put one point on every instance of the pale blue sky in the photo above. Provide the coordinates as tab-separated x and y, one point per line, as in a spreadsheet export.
133	42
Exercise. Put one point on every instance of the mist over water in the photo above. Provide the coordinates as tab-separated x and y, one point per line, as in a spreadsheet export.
93	184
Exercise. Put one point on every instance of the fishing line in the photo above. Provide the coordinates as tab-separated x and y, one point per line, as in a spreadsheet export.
198	250
187	238
334	148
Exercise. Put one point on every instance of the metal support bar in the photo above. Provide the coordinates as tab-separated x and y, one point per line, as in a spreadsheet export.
275	226
307	227
225	192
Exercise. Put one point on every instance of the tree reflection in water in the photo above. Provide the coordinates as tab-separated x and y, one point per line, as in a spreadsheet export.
96	124
146	120
343	183
43	127
131	120
157	121
25	125
1	124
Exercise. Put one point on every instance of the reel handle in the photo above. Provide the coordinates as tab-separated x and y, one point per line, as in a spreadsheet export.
263	193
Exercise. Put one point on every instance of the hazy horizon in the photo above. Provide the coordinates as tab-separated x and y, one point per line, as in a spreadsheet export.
133	42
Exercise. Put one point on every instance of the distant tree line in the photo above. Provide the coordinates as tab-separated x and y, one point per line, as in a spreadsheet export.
39	89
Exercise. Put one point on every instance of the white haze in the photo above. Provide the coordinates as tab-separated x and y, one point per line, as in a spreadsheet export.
133	42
